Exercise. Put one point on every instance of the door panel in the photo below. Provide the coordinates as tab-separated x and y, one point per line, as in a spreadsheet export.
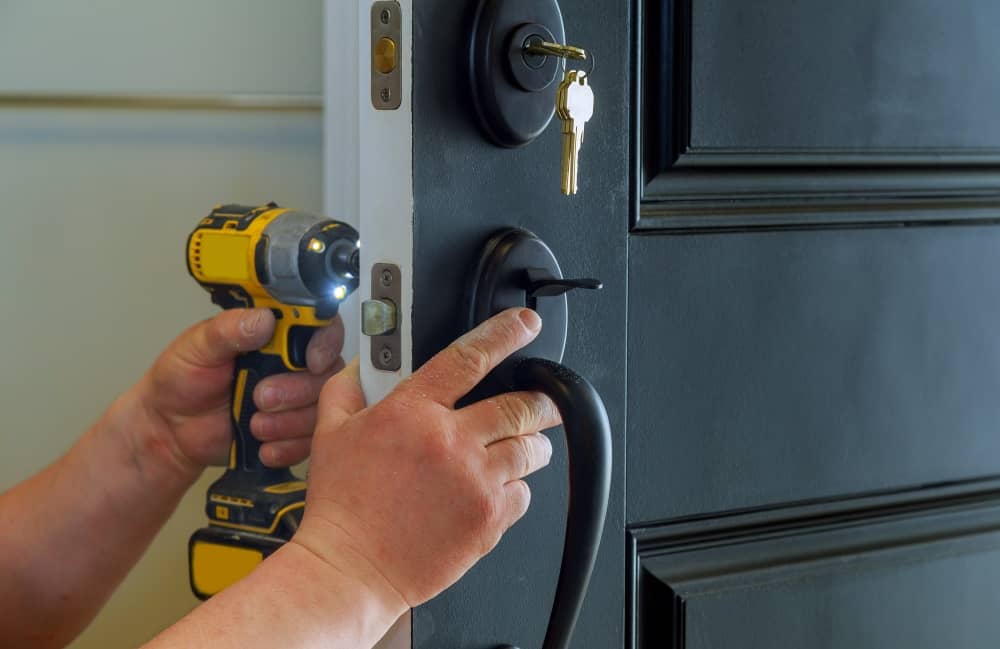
893	575
773	367
806	112
909	76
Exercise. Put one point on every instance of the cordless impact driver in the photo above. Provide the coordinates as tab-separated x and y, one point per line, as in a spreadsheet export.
300	266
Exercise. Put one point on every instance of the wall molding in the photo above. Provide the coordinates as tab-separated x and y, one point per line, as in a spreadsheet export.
284	103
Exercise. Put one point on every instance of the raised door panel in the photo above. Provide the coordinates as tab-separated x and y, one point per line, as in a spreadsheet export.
804	112
773	367
888	573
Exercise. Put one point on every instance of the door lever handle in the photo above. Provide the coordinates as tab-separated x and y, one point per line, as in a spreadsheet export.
541	283
588	440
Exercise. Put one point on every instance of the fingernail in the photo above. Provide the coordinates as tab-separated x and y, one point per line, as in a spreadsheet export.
251	321
548	447
269	397
319	358
531	320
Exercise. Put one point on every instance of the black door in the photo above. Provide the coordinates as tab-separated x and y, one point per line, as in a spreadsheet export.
791	205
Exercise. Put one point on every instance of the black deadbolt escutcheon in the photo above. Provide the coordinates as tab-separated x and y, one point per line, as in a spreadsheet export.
513	92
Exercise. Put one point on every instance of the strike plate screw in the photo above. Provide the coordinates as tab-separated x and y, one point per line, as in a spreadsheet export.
385	16
385	356
386	277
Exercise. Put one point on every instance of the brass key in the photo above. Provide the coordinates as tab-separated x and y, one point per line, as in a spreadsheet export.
575	107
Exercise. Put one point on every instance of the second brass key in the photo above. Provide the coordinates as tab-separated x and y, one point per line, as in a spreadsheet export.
575	107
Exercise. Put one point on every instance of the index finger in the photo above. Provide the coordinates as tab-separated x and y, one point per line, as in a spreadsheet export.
456	369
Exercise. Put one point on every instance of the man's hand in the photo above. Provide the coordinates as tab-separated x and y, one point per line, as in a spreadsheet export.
68	549
186	394
404	497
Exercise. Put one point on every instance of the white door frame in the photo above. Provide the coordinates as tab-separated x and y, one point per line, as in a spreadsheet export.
368	182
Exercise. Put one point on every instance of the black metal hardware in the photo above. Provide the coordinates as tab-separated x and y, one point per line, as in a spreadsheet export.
542	284
588	439
506	81
516	268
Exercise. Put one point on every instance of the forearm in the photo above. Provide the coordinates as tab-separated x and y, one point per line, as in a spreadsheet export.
293	599
72	532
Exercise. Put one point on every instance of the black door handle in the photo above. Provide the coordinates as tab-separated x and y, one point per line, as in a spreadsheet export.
588	440
517	269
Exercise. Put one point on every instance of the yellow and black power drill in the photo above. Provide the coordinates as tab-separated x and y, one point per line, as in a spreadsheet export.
300	266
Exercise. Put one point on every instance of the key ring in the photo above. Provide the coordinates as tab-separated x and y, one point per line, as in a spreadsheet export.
593	64
545	48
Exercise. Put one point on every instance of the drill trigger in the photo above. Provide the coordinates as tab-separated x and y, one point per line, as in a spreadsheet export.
230	297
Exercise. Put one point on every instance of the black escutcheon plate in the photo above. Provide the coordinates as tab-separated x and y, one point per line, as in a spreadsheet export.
514	95
499	282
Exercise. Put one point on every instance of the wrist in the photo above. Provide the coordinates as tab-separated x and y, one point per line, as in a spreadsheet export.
295	598
330	545
360	607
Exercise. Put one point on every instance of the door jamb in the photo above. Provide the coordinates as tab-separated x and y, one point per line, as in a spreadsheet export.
368	182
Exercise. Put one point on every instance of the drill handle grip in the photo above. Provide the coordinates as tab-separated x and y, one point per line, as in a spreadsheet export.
250	369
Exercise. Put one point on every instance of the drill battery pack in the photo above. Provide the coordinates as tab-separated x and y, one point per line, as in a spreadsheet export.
219	557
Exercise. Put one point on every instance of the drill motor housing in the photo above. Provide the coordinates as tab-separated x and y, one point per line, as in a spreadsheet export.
299	265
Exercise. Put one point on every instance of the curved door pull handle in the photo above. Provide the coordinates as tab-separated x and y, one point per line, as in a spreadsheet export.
516	268
588	440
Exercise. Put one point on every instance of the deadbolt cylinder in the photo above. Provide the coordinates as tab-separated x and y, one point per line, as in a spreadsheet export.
532	72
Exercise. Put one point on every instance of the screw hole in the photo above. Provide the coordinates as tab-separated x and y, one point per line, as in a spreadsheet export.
385	357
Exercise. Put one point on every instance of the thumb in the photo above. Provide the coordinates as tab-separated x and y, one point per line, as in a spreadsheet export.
219	340
341	397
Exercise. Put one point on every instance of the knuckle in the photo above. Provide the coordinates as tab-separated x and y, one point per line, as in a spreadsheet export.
472	356
303	392
488	525
516	413
385	417
486	511
392	409
525	455
512	329
521	494
438	448
549	412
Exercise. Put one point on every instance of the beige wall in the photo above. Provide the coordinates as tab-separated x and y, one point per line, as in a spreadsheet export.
179	46
97	206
